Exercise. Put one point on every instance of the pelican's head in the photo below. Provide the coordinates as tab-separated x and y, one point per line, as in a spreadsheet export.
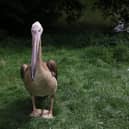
36	31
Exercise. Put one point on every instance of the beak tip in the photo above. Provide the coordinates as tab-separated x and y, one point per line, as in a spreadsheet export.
32	77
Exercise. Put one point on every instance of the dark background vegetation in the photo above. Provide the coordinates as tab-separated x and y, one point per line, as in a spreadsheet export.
17	16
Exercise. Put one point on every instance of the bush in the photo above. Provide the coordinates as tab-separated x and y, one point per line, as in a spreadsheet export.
19	15
116	9
121	53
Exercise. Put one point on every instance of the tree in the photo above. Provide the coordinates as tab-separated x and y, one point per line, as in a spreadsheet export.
117	9
18	15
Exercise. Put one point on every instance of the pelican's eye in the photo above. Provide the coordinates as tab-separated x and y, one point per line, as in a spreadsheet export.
33	31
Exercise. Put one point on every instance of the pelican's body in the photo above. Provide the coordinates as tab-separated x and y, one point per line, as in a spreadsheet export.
40	77
44	84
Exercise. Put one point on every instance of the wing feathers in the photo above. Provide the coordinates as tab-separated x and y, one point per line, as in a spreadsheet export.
51	64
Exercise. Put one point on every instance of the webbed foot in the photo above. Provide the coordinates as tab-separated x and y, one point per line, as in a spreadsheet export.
36	113
46	114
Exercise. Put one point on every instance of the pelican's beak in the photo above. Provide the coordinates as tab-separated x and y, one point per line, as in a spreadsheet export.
35	52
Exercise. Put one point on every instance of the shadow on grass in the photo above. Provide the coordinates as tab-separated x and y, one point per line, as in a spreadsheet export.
15	115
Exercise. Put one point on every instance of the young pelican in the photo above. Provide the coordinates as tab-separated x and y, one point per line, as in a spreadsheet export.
40	77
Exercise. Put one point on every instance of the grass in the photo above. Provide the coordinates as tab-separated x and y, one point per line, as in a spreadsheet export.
93	91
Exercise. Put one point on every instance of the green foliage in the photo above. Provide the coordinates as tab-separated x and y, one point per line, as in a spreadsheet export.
121	53
99	54
20	14
118	9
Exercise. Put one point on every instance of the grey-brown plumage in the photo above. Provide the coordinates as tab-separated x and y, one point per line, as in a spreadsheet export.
40	77
52	67
51	64
23	71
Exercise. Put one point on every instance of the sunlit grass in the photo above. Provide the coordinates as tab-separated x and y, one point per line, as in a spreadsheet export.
93	84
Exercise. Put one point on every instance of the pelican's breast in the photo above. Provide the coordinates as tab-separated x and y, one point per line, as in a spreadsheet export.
43	84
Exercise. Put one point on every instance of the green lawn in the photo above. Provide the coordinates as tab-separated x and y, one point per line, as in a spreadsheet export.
93	82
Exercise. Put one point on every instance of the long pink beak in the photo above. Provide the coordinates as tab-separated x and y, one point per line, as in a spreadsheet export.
35	52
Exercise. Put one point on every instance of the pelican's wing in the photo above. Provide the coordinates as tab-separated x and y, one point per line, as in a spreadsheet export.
51	64
23	69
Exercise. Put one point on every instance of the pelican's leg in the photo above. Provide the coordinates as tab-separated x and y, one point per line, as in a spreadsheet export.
36	112
48	114
51	106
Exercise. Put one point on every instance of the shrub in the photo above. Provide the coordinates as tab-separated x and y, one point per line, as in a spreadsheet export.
121	53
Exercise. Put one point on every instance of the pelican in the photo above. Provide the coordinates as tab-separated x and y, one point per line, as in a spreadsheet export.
40	78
